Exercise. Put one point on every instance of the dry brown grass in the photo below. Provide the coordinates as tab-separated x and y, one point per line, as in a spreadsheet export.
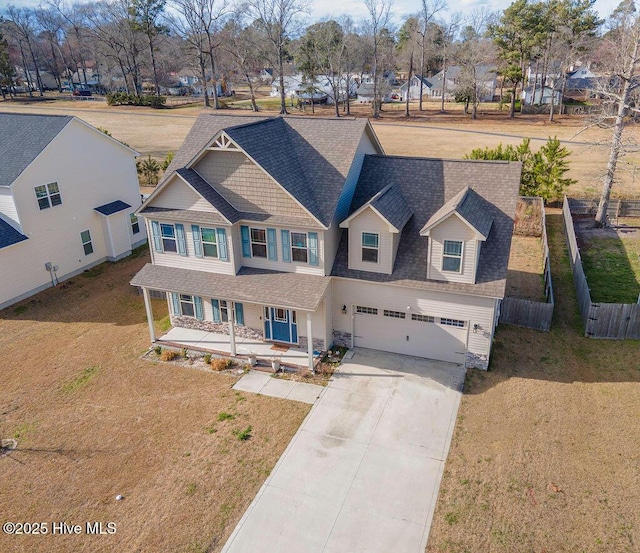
429	134
525	274
545	451
94	420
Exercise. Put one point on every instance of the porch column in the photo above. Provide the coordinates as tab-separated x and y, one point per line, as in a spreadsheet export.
310	342
149	310
232	323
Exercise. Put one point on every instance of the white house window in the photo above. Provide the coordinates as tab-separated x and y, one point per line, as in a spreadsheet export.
168	233
394	314
280	315
209	242
224	311
452	256
452	322
135	225
48	195
85	236
422	318
366	310
370	247
258	242
299	247
187	307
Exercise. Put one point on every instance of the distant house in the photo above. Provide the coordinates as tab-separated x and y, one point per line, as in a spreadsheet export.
68	193
486	76
541	95
414	88
365	93
297	87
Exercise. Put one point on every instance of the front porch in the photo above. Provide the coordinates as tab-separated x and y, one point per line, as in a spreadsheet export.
201	340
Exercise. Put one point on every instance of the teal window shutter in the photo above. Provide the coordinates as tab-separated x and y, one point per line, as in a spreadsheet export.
313	248
286	246
246	241
239	314
157	241
222	244
216	310
272	246
197	301
182	243
197	240
175	303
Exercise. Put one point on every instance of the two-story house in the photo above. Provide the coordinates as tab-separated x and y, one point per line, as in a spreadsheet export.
68	193
301	231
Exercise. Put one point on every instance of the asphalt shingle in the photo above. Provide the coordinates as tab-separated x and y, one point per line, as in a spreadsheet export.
112	207
22	139
9	235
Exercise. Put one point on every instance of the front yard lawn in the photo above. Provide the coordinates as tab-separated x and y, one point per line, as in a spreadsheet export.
545	454
93	420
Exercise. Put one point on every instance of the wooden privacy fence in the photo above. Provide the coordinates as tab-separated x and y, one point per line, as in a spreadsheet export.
528	313
616	321
617	208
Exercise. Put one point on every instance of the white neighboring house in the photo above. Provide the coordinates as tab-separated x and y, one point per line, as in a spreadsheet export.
68	193
262	228
486	78
542	95
414	88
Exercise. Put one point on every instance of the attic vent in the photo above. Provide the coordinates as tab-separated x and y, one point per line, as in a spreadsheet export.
223	142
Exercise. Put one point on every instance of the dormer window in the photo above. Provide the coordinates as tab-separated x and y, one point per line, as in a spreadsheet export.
452	256
370	246
258	242
299	247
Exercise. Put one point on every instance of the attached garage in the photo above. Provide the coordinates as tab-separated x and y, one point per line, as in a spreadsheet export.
409	333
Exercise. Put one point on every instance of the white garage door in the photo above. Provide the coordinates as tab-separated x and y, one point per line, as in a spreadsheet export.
410	334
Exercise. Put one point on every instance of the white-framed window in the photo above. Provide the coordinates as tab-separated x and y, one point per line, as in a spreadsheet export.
280	315
187	306
209	242
168	233
452	256
422	318
452	322
224	311
48	195
87	245
299	251
370	245
258	242
394	314
366	310
135	224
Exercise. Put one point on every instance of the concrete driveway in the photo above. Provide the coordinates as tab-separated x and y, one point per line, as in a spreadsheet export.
363	471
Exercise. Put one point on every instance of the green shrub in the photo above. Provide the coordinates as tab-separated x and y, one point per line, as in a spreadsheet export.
124	99
243	435
207	358
157	350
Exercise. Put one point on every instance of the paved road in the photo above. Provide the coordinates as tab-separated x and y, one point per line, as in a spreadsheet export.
363	471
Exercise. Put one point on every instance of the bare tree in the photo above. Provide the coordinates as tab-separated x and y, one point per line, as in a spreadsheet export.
428	10
278	20
379	17
23	27
623	42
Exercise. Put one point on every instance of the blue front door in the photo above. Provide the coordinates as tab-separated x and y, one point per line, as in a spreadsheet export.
280	325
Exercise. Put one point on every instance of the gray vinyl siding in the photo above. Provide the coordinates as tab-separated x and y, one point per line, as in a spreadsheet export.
369	221
453	229
245	185
279	265
344	202
473	309
190	261
331	242
179	195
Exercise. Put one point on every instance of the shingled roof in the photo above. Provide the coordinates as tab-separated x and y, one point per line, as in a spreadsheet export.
9	235
390	204
309	157
22	139
470	206
427	184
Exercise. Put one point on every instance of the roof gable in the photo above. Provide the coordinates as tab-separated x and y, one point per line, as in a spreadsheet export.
23	138
389	204
470	207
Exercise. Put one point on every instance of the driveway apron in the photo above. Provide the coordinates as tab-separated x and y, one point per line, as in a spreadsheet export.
363	471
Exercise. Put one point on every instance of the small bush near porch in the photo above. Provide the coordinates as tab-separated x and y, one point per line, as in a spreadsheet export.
93	420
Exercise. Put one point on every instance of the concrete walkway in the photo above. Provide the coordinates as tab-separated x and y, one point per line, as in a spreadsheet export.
363	471
263	383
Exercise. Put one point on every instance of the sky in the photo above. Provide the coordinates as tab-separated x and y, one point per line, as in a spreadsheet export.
355	8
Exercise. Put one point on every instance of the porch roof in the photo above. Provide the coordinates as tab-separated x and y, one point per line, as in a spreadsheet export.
289	290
